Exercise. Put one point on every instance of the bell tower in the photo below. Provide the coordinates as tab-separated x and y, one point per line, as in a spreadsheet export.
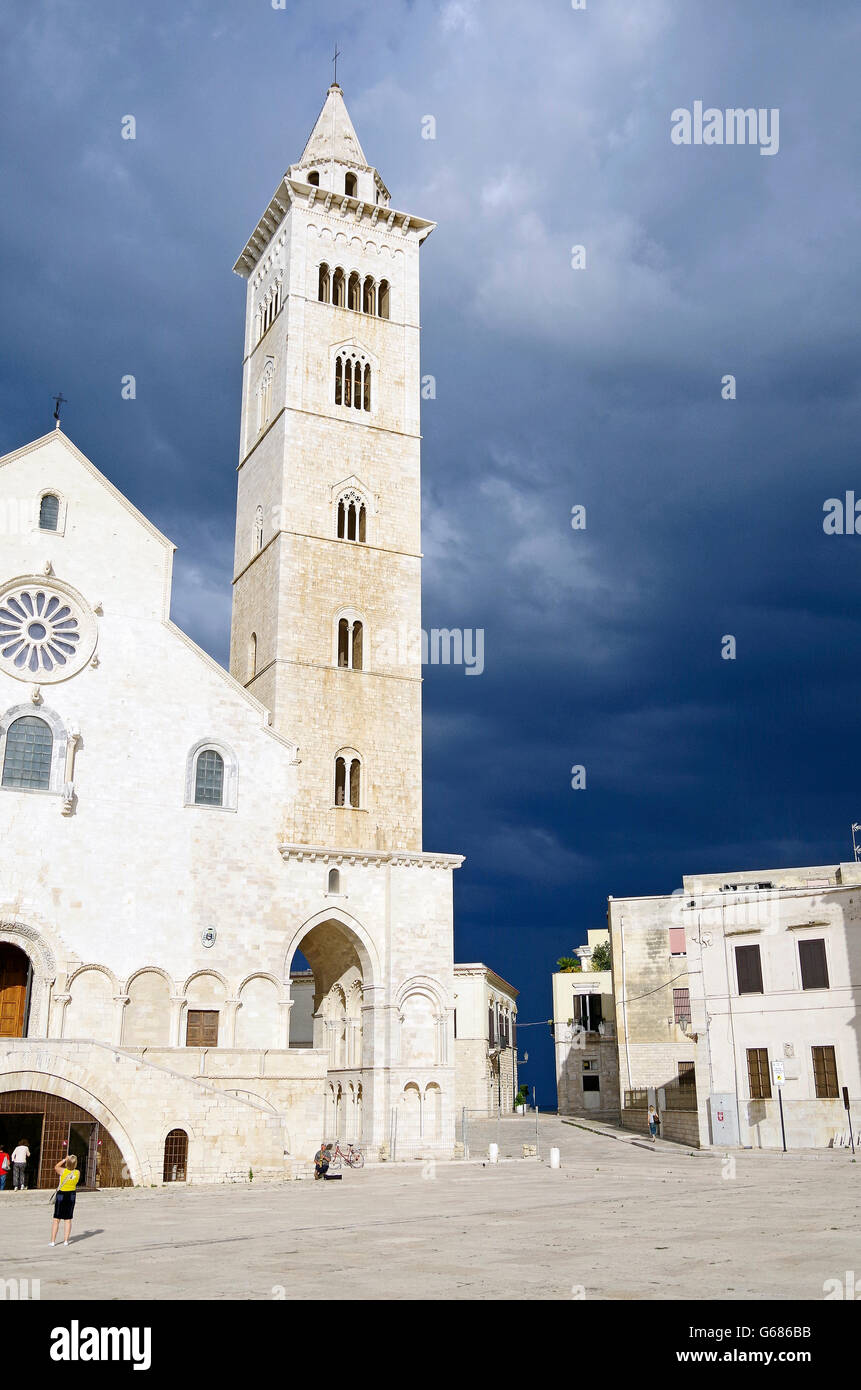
326	627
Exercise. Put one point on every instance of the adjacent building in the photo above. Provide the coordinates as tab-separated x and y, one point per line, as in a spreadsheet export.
738	988
584	1032
485	1049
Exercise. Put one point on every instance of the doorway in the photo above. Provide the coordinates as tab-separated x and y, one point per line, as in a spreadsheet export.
16	978
26	1129
84	1144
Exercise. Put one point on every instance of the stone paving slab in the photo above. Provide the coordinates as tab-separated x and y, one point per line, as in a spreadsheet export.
615	1222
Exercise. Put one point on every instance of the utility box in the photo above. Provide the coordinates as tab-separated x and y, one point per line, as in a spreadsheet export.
723	1119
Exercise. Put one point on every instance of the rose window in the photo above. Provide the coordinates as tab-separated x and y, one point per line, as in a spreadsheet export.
45	635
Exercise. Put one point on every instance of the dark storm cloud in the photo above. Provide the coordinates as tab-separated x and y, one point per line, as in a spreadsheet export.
554	387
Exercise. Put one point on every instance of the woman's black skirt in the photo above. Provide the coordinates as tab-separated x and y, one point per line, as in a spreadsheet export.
64	1206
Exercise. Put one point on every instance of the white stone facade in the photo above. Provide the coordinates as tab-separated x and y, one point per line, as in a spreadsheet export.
164	917
486	1040
584	1036
732	975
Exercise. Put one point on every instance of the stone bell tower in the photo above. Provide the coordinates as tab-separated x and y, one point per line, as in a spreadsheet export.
326	626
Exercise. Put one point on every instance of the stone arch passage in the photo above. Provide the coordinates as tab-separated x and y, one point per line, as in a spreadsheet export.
341	968
52	1126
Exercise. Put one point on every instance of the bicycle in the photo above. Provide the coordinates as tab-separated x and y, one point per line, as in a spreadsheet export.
352	1156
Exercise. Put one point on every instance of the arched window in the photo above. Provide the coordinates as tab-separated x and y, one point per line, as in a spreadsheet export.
252	656
351	183
348	779
324	287
350	643
351	517
383	300
354	292
352	380
334	881
209	778
369	297
49	512
339	288
314	178
28	753
264	394
258	529
175	1156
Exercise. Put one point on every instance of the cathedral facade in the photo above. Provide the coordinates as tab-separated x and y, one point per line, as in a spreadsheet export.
220	937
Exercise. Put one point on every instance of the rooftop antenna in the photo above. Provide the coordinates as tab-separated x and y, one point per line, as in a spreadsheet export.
856	848
61	400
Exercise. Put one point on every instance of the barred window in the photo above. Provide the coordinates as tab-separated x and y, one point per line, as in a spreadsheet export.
209	778
687	1075
29	748
758	1074
825	1073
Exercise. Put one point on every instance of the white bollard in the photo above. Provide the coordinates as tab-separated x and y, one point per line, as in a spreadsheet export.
554	1158
493	1153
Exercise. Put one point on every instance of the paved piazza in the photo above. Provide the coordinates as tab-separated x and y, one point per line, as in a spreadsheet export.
618	1219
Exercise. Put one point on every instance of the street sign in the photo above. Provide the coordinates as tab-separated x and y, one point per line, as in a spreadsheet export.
778	1072
846	1097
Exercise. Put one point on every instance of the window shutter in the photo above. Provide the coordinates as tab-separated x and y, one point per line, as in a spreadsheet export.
814	965
748	969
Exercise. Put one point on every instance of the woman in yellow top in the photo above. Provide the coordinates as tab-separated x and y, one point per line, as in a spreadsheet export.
64	1202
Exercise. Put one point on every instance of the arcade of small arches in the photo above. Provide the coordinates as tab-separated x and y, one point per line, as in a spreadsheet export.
351	185
363	296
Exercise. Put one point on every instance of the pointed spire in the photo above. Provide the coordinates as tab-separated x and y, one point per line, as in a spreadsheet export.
333	136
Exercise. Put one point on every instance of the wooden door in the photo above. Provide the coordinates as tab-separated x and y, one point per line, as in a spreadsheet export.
14	971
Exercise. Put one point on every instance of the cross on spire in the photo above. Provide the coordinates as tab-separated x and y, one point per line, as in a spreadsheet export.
335	58
58	400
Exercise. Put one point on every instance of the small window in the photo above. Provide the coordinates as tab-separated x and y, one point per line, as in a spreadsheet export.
339	288
687	1075
175	1156
27	759
201	1028
354	292
334	881
314	178
825	1073
678	945
681	1006
814	965
383	300
258	529
252	656
591	1082
348	780
351	183
369	296
49	512
748	969
758	1074
590	1064
209	779
324	284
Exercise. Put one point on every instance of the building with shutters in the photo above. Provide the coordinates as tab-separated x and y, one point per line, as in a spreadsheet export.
584	1036
485	1048
186	846
733	980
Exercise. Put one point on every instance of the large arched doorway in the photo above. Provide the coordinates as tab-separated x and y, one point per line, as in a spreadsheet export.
330	969
52	1127
16	983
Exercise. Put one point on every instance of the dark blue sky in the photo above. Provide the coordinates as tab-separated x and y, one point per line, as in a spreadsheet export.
554	387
